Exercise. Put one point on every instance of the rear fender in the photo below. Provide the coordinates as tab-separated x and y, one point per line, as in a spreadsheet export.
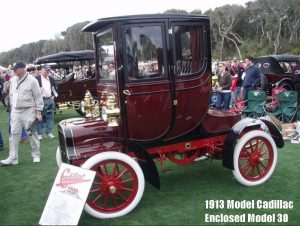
247	124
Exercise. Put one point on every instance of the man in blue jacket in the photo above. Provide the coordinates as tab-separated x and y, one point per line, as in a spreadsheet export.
252	77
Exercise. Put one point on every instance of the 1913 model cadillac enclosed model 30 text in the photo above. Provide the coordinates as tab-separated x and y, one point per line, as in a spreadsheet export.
154	86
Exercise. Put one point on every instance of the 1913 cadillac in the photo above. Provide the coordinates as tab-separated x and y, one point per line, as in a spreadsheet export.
154	87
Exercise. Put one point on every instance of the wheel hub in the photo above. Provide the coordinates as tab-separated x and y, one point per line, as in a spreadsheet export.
255	158
112	189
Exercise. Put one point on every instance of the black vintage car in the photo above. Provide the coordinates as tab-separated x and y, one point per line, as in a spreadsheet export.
277	70
70	86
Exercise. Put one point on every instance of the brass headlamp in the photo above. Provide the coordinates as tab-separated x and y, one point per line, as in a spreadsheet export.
89	105
110	112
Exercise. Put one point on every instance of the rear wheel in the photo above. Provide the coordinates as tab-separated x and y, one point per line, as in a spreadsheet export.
255	158
118	185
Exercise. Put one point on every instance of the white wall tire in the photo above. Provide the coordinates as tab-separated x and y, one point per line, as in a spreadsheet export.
118	185
58	157
255	158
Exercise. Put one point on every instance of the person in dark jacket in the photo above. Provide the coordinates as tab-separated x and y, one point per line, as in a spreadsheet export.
252	77
223	87
48	90
236	71
296	81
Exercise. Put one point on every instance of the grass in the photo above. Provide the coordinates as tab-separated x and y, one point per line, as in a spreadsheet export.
24	189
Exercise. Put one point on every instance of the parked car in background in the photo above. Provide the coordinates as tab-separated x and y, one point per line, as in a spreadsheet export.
74	73
277	71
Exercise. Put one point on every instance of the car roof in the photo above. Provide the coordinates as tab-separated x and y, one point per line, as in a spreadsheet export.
80	55
287	58
100	23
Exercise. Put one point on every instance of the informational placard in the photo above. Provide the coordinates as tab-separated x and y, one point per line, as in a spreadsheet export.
68	196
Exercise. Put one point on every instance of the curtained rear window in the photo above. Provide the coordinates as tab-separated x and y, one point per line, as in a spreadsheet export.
189	49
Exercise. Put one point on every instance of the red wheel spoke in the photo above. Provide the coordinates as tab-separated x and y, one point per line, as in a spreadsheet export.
262	147
127	189
248	170
100	175
127	180
253	171
97	183
262	165
256	146
114	201
251	146
245	150
115	169
94	190
122	173
105	201
265	159
245	164
258	170
105	169
244	158
97	198
122	196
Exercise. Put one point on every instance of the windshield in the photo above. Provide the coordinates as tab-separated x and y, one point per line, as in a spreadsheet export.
105	51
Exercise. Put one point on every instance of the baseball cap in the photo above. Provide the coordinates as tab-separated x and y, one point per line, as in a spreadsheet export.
18	64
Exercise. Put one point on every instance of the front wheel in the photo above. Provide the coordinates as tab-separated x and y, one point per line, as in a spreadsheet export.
255	158
118	185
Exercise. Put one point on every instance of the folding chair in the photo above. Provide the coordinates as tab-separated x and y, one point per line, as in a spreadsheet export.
255	104
286	109
275	97
288	101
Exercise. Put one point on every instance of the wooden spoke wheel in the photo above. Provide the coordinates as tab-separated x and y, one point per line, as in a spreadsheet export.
118	185
255	158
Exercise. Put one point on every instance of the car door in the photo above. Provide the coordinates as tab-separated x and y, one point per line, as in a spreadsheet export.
147	96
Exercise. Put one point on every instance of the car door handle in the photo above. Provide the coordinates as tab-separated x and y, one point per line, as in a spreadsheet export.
70	92
126	92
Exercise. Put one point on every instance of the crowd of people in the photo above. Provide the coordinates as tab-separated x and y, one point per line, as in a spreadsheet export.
30	108
234	80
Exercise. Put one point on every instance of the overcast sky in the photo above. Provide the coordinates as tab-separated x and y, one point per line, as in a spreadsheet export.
25	21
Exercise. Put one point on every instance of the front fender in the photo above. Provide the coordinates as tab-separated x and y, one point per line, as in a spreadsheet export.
247	124
145	161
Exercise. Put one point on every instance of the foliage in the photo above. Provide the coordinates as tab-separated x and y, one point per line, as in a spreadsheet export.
262	27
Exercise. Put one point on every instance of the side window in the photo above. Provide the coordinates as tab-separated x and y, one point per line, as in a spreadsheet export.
144	52
105	46
189	49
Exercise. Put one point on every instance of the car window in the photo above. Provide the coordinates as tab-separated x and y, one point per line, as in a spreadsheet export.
189	48
105	46
144	52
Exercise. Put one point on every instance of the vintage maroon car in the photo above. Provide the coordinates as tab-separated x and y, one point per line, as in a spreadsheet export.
154	87
69	87
277	70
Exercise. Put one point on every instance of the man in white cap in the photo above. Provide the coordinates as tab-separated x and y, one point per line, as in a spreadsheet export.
26	106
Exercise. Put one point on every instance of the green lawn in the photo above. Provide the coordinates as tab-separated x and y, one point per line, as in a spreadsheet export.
180	201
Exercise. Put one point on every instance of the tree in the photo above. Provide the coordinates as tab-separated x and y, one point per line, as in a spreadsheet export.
223	22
